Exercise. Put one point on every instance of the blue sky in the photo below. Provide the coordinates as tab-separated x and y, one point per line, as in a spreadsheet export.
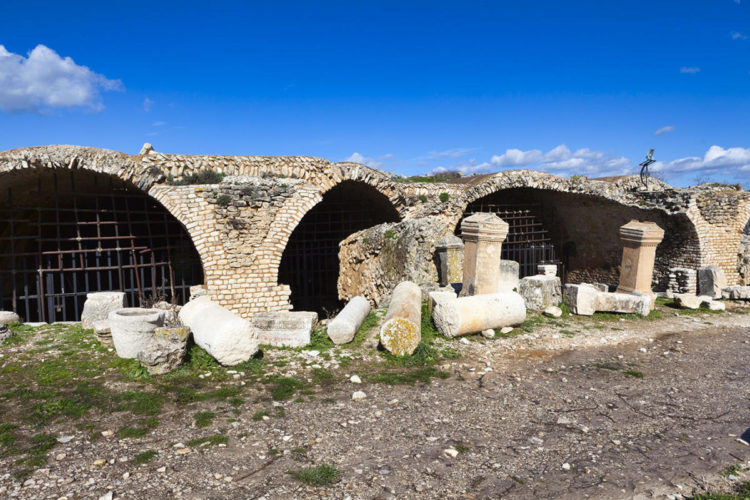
411	87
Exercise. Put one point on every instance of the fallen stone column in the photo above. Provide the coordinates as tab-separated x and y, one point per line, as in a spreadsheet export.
585	300
477	313
402	329
439	296
98	305
736	293
581	299
132	329
346	324
285	328
224	335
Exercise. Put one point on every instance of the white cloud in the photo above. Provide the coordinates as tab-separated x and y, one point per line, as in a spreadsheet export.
559	160
690	70
370	162
665	130
147	103
44	80
716	162
736	35
448	153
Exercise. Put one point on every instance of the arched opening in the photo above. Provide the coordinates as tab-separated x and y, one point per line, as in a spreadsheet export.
310	263
67	233
580	233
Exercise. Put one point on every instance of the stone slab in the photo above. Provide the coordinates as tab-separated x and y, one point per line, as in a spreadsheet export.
711	281
540	292
284	328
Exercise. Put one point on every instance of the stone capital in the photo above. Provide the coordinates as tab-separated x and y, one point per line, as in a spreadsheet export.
484	227
636	233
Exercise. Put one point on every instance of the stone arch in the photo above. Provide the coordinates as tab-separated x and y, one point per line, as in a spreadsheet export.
308	262
580	221
71	231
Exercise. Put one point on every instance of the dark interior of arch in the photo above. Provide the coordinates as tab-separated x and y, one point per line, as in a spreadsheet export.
65	233
581	234
310	263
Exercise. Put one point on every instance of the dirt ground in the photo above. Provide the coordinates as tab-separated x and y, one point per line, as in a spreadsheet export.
572	408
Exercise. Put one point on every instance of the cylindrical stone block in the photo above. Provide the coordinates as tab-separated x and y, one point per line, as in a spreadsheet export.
402	329
474	314
132	329
346	324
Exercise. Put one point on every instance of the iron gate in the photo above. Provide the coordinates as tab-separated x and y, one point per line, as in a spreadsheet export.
104	237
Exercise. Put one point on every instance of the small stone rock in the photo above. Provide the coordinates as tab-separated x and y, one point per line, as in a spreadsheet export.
506	329
355	379
717	306
60	456
359	396
100	462
464	340
553	312
566	466
489	333
106	496
5	333
107	433
161	469
451	452
8	317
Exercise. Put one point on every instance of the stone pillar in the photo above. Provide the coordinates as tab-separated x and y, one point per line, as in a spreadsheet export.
639	241
345	325
402	328
461	316
449	250
483	235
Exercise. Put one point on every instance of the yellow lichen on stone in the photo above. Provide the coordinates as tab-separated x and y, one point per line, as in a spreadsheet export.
400	336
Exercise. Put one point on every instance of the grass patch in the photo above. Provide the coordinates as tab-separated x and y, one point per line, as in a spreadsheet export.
204	418
129	432
461	448
283	388
201	177
320	475
424	375
209	441
140	403
634	373
322	376
608	366
319	341
731	470
258	415
368	324
144	457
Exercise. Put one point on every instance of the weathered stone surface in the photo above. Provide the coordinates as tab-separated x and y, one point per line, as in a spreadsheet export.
438	296
198	291
449	251
375	260
285	329
581	299
630	303
736	293
5	333
553	312
171	313
132	329
638	256
346	324
103	331
540	292
688	300
8	317
401	331
483	234
585	299
547	269
464	315
711	281
165	351
224	335
98	305
509	276
715	305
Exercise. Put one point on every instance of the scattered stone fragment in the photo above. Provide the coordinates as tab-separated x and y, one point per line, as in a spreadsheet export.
547	269
451	452
358	396
553	312
506	330
103	331
736	293
106	496
284	328
402	328
690	301
711	281
166	350
5	333
107	433
344	326
224	335
584	299
476	313
100	462
355	379
132	329
9	317
509	276
566	466
489	333
717	306
98	305
540	292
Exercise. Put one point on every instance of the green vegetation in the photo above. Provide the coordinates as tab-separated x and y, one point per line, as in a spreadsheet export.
390	235
634	373
283	388
317	476
424	375
741	492
731	470
444	197
422	198
204	418
145	457
131	432
461	448
223	200
258	415
202	177
439	177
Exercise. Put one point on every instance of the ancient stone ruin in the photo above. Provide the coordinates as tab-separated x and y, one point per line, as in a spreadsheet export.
251	238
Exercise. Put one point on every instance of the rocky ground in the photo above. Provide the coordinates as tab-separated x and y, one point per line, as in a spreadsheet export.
602	407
